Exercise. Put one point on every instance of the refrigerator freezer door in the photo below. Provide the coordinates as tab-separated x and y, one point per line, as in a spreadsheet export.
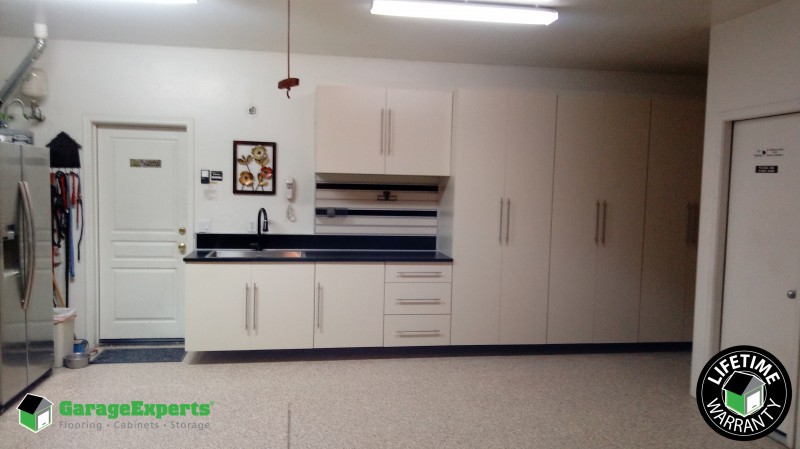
13	346
36	173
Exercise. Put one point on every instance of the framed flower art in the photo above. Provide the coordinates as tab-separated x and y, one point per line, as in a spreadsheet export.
254	167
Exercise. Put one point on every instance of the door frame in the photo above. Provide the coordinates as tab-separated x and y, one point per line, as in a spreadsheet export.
713	232
90	191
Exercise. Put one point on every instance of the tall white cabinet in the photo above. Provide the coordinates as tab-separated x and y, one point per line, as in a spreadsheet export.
598	218
670	233
501	193
366	130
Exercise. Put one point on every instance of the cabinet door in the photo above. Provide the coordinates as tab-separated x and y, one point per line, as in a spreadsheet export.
349	305
576	208
626	125
419	127
676	143
477	183
530	132
283	306
217	307
350	130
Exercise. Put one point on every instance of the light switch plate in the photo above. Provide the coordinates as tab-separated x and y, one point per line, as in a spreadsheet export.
203	225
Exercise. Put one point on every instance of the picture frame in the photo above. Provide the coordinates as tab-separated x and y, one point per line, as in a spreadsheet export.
254	167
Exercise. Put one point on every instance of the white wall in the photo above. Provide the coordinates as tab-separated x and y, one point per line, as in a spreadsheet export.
754	71
215	88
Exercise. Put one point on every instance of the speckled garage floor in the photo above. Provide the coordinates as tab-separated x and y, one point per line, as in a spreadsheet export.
628	400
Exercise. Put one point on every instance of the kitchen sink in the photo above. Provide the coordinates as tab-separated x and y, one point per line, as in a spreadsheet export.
251	253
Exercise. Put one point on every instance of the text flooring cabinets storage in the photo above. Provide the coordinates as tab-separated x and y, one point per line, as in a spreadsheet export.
249	306
670	235
502	189
349	305
598	218
379	131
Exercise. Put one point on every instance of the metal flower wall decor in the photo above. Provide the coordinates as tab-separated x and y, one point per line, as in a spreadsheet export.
254	167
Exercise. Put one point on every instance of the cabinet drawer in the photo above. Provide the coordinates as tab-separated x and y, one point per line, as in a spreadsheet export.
417	298
415	272
416	330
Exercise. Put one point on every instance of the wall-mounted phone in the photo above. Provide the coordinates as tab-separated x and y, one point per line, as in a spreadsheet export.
290	189
290	193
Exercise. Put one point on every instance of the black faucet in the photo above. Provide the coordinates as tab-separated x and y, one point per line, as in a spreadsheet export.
263	225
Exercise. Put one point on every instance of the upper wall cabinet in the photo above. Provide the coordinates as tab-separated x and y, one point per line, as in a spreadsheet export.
378	131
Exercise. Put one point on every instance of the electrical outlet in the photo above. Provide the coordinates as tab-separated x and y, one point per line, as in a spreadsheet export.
203	225
252	226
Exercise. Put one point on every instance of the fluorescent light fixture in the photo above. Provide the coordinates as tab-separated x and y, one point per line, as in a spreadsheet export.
470	11
161	2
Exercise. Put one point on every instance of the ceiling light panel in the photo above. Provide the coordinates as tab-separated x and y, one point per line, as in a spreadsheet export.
477	12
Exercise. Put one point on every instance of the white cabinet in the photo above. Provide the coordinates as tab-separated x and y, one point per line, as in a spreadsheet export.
417	308
671	218
598	218
349	305
378	131
501	196
249	306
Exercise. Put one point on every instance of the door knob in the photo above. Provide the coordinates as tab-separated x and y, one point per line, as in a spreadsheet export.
181	230
182	247
791	294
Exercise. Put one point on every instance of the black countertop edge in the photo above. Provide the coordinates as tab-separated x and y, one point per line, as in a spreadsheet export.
316	255
315	241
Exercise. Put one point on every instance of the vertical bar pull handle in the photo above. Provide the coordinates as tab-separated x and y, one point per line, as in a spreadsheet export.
508	218
247	307
605	214
597	223
29	242
383	130
500	232
255	307
319	305
389	133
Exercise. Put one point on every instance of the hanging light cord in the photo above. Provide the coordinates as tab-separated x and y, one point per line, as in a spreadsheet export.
288	39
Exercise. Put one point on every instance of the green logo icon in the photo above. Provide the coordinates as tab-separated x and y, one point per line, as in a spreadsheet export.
744	393
35	413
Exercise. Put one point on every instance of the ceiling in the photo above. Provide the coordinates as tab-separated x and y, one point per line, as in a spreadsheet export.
655	36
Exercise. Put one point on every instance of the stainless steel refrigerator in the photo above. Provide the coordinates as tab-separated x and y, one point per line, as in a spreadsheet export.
26	289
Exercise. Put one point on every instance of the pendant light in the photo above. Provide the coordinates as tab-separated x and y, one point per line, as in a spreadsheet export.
289	82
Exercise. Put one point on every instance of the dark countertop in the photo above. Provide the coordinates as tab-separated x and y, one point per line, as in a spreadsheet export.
328	255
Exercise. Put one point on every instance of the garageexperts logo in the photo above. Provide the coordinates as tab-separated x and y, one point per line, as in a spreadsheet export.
744	393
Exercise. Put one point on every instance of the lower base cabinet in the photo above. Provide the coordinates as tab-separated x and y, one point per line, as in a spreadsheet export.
349	305
249	306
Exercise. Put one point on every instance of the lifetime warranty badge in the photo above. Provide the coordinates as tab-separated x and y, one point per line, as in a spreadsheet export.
744	393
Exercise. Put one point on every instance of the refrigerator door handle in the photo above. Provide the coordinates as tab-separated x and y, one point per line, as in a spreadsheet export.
29	242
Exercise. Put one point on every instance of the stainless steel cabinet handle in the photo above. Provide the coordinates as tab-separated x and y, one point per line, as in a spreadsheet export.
419	274
417	333
247	307
597	223
319	305
389	134
500	233
29	242
383	130
508	218
407	300
255	306
605	213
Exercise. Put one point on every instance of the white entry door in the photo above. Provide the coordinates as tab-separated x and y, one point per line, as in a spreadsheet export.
143	220
762	263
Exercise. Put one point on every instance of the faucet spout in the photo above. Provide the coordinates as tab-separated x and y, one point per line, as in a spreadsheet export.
263	226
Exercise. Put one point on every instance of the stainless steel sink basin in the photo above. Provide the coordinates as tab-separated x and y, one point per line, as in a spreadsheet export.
251	253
